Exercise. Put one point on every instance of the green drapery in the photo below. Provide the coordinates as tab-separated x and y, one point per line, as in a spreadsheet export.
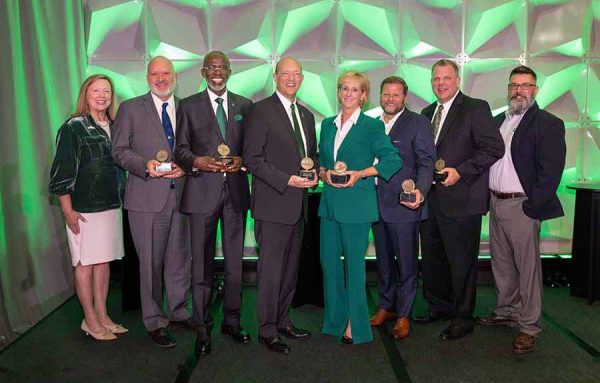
43	64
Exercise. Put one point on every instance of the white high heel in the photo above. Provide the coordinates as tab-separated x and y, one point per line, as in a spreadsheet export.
106	335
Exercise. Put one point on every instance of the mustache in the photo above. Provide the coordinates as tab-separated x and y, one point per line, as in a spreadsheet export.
513	97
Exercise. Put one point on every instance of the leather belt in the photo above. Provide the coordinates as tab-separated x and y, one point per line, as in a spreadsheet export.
507	195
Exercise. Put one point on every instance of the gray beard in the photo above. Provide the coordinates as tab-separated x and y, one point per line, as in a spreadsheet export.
519	107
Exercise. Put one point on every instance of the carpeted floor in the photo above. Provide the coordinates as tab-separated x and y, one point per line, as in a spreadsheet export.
56	350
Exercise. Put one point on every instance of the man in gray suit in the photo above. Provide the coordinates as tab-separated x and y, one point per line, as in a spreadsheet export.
209	122
143	142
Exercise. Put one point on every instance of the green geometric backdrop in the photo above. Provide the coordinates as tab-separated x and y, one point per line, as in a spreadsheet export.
559	39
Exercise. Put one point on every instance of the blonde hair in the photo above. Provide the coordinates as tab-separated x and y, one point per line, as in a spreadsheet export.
83	108
365	84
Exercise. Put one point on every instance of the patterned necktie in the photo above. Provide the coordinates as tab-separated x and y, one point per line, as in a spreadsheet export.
297	132
221	117
436	121
167	126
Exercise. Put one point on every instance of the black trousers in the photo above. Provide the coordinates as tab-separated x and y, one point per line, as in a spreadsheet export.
450	247
277	272
203	228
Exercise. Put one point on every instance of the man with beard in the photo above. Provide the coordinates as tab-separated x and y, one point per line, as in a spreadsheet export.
396	233
143	138
523	187
209	148
468	144
280	133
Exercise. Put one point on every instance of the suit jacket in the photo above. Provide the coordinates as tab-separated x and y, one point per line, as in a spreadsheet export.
365	142
538	152
272	155
413	138
198	134
137	135
469	142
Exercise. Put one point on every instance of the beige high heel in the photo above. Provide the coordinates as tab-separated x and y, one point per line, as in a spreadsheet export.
115	328
106	335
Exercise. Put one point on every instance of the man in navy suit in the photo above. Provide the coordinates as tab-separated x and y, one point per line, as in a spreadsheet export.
523	187
397	231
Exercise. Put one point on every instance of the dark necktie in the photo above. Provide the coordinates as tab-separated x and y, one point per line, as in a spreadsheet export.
436	121
221	117
167	127
297	132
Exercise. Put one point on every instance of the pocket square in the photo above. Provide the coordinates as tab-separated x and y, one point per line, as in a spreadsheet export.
238	117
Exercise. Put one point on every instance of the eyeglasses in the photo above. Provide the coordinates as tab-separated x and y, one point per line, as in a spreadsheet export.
524	86
213	68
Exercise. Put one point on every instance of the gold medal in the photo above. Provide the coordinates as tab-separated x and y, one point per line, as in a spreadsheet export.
223	150
162	155
440	164
307	163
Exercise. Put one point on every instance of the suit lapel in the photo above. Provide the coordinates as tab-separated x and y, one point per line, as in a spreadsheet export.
231	111
451	116
207	106
520	130
401	121
305	123
285	121
348	139
154	117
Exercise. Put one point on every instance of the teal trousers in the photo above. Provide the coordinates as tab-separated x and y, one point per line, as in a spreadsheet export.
344	283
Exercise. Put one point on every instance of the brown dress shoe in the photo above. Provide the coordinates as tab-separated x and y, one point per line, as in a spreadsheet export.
401	328
524	343
381	316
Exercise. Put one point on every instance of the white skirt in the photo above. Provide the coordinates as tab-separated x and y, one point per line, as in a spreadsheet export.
100	239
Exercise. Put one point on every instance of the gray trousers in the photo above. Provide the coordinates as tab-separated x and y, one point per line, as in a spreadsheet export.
161	241
516	263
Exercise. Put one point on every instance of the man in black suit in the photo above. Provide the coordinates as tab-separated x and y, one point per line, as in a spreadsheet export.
396	233
279	134
468	142
209	122
523	193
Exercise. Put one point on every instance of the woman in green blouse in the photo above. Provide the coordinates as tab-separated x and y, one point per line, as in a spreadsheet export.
89	187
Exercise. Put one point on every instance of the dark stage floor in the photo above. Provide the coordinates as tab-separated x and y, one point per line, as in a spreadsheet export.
56	350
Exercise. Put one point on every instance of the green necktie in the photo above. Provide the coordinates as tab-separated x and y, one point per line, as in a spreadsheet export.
297	132
221	117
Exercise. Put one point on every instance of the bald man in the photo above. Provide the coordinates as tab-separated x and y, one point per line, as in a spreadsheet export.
143	140
279	133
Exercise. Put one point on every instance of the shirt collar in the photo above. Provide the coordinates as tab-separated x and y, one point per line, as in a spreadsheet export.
394	119
353	118
159	103
213	96
285	101
448	103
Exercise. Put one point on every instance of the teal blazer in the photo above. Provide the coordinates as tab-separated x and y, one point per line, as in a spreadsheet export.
365	142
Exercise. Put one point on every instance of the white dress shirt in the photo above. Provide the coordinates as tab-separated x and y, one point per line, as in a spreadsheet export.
158	103
287	106
503	176
447	106
213	102
343	130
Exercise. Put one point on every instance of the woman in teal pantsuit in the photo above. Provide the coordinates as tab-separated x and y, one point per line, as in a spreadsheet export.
347	210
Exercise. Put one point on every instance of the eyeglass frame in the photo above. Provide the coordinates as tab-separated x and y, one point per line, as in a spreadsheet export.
525	86
213	68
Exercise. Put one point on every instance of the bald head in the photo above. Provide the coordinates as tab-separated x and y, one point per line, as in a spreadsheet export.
161	77
288	77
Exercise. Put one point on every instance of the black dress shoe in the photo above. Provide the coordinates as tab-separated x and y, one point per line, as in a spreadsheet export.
186	324
274	344
494	320
237	333
431	317
346	340
203	344
456	331
294	333
162	338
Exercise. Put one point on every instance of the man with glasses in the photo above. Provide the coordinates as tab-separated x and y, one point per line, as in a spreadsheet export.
468	144
209	149
523	187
